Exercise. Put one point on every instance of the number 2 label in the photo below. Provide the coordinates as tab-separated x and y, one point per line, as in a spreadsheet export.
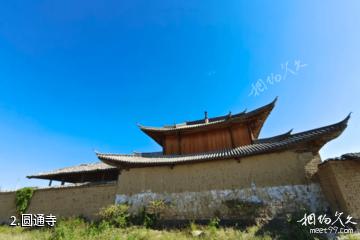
13	221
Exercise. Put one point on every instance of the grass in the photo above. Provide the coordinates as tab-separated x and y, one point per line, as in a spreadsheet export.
116	223
76	229
18	233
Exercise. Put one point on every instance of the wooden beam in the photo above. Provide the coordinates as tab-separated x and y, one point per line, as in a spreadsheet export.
251	135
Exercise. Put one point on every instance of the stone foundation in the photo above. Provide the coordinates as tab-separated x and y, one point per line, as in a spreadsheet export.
230	204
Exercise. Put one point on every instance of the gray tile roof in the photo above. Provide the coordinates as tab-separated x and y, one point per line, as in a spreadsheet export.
344	157
82	168
274	138
212	121
351	156
316	137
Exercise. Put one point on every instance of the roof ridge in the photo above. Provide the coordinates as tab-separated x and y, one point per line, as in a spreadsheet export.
338	124
280	136
221	119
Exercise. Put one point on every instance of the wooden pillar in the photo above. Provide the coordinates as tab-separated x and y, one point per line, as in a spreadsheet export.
50	182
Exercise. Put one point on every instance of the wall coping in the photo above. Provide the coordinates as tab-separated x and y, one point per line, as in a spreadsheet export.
70	186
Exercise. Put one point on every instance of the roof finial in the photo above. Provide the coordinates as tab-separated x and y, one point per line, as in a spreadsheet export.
347	117
275	100
206	117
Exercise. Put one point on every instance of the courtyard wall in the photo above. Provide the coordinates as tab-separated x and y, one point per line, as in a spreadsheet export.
67	201
278	182
340	181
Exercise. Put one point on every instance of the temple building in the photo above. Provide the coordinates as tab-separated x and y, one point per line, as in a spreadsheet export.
207	165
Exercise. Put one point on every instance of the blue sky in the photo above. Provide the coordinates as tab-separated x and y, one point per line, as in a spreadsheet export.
77	76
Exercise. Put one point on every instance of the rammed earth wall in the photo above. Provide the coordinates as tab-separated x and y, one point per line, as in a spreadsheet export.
7	206
282	182
83	200
340	181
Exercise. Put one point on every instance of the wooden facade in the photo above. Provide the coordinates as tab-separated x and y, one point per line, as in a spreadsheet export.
206	141
210	134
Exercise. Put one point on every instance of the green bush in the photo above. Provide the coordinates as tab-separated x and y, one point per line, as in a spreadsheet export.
22	199
193	226
213	225
75	228
156	207
214	222
150	215
116	214
144	218
95	229
153	212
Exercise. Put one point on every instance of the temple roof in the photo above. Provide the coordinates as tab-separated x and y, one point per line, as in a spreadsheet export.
311	140
81	173
256	118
